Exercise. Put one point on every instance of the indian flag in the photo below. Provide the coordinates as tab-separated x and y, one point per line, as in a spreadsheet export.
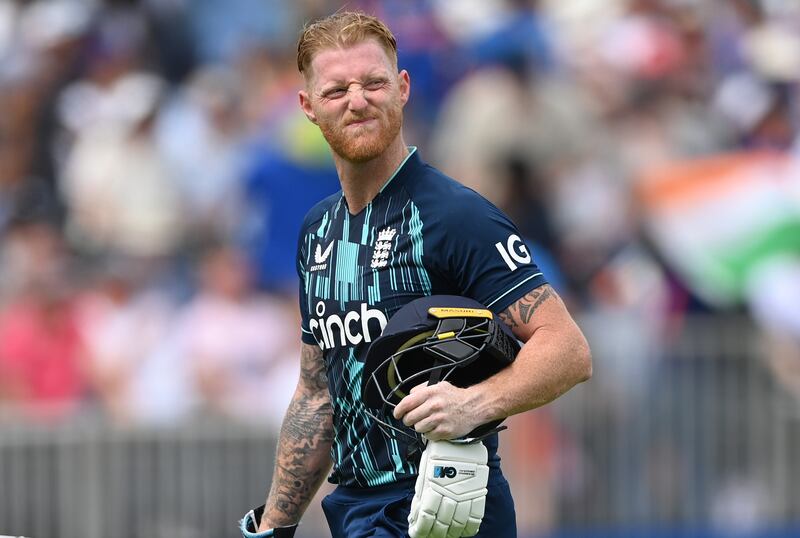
717	220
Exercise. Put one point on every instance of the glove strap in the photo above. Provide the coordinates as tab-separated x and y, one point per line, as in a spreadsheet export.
478	438
249	526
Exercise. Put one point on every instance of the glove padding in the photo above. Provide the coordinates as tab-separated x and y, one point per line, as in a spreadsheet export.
450	493
249	526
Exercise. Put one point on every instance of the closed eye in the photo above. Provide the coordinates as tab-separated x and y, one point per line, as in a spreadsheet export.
334	93
375	84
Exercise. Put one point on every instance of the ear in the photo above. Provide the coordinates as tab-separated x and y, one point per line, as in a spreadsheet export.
405	85
305	104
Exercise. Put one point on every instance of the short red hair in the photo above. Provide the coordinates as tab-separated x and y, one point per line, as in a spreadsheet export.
343	29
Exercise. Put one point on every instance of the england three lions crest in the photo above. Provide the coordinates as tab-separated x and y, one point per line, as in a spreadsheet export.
380	254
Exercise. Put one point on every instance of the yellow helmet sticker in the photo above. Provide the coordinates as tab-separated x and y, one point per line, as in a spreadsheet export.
446	312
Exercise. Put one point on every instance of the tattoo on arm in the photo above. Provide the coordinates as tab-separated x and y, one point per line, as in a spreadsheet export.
305	440
521	312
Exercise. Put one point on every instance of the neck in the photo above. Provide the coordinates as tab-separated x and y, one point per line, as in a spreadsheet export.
362	181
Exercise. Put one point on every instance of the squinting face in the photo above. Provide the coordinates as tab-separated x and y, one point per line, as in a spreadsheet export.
356	97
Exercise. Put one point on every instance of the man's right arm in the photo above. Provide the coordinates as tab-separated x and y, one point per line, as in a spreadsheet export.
303	455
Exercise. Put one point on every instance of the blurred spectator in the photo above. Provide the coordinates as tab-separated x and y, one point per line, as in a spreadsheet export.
201	135
769	45
223	29
32	253
758	112
242	347
132	352
280	190
505	109
47	54
173	47
119	191
118	187
42	370
120	194
521	30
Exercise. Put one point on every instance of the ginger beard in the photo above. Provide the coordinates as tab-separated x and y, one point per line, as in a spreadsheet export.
362	143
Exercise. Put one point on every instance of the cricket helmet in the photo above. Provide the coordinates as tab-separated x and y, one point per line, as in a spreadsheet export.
431	339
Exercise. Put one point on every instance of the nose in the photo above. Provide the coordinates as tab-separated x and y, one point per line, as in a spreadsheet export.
356	99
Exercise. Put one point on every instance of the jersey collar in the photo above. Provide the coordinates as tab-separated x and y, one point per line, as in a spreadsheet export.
412	152
405	168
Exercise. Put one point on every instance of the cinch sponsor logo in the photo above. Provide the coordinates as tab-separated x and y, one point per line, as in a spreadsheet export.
353	328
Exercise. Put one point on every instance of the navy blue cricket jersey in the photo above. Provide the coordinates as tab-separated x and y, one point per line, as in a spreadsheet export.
423	234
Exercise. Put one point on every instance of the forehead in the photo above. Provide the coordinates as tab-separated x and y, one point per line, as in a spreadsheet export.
341	64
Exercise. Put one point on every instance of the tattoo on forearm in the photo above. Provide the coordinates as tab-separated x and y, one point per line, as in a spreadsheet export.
522	311
305	439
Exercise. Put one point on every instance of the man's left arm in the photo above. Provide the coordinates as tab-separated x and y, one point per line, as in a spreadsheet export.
554	358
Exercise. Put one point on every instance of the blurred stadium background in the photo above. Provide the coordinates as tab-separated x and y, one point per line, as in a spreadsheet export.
154	169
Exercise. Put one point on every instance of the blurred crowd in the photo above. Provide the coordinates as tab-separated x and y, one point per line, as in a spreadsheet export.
155	168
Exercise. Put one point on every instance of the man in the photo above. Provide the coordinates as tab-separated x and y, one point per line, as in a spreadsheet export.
398	230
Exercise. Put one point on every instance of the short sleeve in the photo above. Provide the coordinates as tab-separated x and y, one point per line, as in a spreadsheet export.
306	335
484	255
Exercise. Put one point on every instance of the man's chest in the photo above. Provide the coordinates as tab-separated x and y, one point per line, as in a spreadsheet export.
358	274
353	264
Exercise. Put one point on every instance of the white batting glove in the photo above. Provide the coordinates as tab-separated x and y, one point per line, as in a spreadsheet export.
450	493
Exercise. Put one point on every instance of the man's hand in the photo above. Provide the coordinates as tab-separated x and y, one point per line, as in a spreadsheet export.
450	493
438	411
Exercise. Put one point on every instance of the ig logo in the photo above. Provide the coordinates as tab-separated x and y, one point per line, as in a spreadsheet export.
513	251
